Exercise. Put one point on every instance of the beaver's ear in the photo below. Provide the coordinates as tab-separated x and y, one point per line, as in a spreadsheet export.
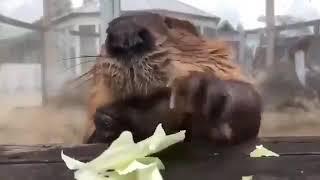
173	23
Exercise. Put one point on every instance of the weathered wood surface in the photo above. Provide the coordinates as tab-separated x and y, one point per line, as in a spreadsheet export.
299	159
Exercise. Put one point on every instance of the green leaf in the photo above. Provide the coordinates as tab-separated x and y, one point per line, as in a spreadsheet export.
151	173
261	151
126	158
247	177
143	163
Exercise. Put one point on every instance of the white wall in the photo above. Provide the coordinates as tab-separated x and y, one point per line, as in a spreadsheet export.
73	24
20	85
78	21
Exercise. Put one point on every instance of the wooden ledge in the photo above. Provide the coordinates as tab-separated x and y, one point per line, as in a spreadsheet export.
299	159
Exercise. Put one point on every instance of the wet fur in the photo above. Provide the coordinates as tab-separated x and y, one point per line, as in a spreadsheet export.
178	50
237	108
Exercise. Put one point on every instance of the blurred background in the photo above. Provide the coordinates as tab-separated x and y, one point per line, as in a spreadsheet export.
275	42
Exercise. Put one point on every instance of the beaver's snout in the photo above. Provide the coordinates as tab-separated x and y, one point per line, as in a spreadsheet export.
126	39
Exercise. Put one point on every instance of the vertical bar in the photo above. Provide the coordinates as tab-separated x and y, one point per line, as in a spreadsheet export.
299	61
97	39
109	9
270	31
44	37
78	52
316	29
202	30
116	8
242	45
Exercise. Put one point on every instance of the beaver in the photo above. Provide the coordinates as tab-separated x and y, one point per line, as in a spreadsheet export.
157	69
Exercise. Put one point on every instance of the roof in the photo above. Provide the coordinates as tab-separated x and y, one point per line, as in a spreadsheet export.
169	5
8	31
165	6
138	5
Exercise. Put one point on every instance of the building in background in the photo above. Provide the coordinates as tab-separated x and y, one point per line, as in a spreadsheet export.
76	31
86	20
58	7
206	23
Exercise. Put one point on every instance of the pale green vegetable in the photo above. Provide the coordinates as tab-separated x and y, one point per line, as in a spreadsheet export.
126	159
247	177
262	151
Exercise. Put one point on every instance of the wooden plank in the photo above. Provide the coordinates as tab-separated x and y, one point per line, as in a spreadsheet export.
214	167
78	33
270	23
39	154
286	27
298	25
35	172
300	158
45	49
283	146
21	24
236	167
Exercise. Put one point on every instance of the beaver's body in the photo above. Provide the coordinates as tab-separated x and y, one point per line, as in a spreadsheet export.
144	53
232	119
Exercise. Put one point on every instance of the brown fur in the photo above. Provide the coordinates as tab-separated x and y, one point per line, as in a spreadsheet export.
179	51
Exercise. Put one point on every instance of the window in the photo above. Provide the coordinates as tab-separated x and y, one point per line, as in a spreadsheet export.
72	62
199	29
209	32
87	45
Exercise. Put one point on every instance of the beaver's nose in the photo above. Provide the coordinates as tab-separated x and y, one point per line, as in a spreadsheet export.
129	41
124	40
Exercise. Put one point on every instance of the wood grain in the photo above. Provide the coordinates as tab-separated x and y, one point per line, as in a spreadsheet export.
299	159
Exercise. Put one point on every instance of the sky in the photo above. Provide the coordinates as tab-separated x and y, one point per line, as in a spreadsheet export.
245	12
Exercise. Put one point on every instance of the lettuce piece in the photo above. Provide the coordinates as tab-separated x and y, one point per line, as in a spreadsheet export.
71	163
142	163
125	159
152	172
261	151
247	177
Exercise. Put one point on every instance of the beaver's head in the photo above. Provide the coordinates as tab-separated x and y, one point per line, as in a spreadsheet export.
133	35
136	53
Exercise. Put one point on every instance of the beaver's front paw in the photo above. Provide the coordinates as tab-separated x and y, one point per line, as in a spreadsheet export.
200	93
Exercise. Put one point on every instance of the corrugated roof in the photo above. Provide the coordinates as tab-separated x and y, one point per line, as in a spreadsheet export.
138	5
8	31
170	5
147	5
